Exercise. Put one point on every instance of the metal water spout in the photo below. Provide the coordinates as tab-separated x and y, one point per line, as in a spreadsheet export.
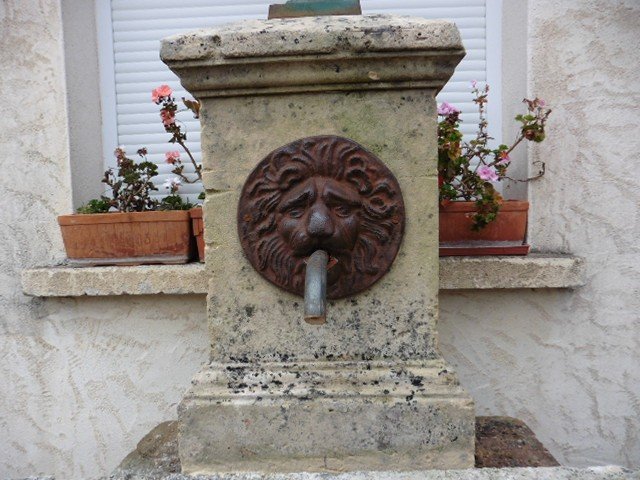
315	288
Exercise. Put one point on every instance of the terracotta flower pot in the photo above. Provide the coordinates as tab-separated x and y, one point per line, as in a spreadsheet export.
131	238
504	236
197	224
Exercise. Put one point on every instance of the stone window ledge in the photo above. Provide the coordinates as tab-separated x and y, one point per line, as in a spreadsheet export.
536	270
63	281
456	273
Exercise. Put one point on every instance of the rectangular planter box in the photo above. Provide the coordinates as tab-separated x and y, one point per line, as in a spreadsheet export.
130	238
506	235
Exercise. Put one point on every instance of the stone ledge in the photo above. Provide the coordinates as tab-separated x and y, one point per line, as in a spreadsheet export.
62	281
536	270
456	273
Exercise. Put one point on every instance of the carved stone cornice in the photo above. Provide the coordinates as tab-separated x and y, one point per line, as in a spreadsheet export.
262	57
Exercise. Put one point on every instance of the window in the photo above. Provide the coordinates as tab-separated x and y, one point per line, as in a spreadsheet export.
129	32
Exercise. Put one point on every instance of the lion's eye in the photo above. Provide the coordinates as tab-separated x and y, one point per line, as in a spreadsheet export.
295	212
342	210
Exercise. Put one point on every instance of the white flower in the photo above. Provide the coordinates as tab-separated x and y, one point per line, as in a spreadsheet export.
172	184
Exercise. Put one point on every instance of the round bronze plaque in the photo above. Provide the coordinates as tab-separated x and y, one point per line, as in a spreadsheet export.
321	193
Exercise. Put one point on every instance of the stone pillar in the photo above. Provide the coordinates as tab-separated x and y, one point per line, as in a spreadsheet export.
369	389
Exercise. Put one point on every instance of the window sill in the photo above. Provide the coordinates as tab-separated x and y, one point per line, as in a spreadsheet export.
456	273
535	270
62	281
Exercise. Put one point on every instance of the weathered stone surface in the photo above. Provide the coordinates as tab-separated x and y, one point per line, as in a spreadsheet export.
508	442
338	396
155	454
550	473
497	438
106	281
344	53
532	271
253	320
501	442
511	434
325	416
312	36
38	478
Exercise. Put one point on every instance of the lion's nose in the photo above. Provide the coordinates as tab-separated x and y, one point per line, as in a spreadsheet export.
320	224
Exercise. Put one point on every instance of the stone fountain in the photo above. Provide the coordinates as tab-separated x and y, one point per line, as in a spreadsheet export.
319	150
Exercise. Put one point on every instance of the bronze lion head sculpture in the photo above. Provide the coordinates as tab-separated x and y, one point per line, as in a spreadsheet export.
328	193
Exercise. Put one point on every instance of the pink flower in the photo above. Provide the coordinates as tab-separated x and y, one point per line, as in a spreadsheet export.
541	102
172	157
157	94
168	117
474	84
447	109
504	159
487	174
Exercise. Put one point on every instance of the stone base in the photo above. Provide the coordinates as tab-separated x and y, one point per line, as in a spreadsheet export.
325	417
554	473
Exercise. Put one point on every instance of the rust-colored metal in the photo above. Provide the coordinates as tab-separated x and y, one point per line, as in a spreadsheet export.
321	193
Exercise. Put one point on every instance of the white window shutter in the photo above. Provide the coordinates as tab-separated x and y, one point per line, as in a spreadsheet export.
138	25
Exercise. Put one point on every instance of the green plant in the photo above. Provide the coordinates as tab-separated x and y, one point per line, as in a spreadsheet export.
95	206
466	169
173	201
130	186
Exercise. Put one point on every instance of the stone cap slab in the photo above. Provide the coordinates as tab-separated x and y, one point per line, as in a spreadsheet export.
312	54
312	36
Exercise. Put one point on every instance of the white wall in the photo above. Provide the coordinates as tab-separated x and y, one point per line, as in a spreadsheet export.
84	379
568	363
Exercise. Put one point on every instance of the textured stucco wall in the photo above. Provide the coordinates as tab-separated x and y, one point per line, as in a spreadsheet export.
82	380
568	363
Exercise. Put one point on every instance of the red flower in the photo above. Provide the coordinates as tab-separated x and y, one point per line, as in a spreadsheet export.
168	117
172	157
163	91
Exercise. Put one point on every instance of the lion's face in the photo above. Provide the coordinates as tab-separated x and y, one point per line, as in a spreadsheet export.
321	214
323	193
